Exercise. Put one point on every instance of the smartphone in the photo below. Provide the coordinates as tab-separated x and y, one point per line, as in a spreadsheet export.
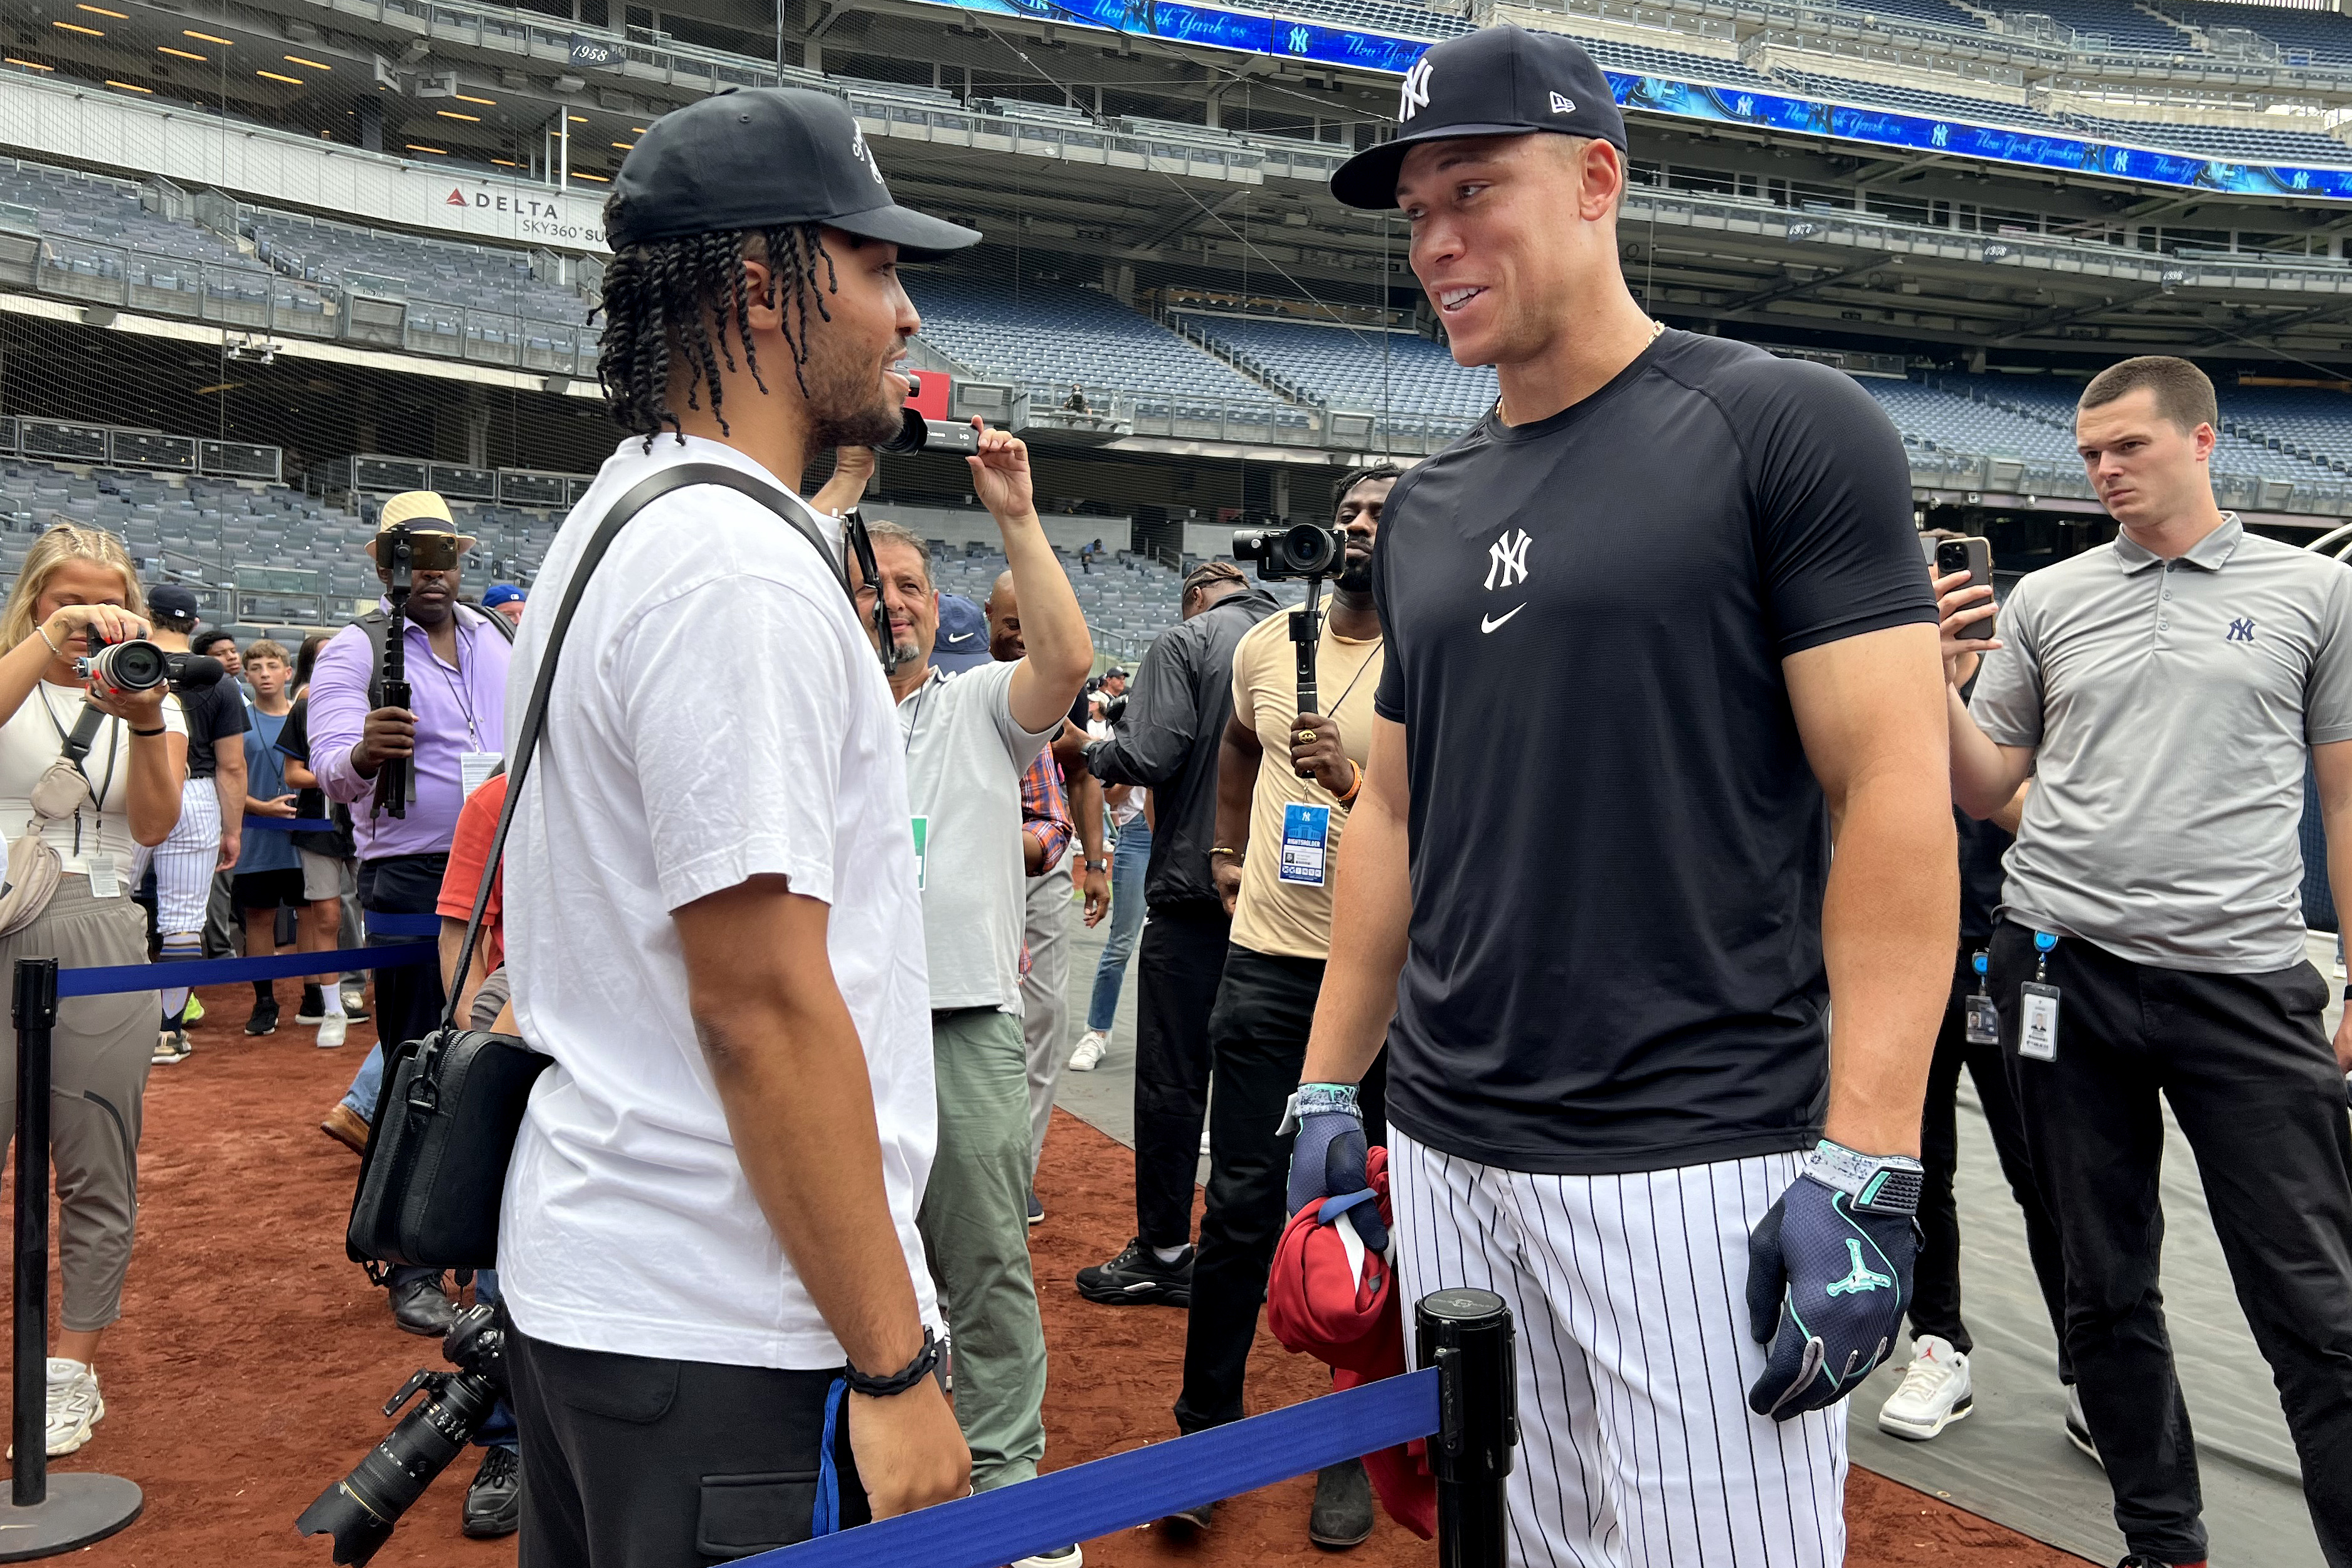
1973	556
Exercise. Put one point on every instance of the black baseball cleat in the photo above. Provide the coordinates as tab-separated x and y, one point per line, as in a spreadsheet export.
494	1499
1137	1278
1342	1516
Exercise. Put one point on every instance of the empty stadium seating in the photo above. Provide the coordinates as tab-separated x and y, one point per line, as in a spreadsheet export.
2321	35
2227	144
478	276
1913	101
1047	336
1357	368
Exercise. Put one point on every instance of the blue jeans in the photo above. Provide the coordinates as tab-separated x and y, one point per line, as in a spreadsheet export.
1129	857
366	1084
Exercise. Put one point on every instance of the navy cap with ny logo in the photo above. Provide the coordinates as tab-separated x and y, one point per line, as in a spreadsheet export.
1497	82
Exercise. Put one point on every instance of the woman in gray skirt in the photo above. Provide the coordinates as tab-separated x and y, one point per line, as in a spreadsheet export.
127	795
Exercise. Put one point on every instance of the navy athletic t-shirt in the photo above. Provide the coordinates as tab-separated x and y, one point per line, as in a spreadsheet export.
1618	850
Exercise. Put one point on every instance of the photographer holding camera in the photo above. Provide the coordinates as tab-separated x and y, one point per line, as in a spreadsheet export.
1167	740
82	818
445	742
1286	778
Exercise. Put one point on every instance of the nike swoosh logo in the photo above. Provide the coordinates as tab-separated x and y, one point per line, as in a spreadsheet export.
961	636
1491	622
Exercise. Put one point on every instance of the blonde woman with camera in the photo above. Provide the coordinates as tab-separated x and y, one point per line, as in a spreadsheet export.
125	793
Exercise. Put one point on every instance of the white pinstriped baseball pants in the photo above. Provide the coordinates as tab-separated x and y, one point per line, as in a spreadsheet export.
184	862
1637	1445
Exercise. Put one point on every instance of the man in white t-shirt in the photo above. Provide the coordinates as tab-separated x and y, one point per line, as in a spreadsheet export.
967	740
712	916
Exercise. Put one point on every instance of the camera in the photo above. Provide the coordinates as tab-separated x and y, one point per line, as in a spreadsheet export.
1285	553
360	1510
134	664
917	433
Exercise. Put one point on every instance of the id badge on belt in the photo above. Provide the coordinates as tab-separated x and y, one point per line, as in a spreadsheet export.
2037	1006
1982	1020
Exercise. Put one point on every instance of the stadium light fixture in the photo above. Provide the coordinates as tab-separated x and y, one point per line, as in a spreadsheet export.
208	38
582	174
314	65
437	151
29	65
182	54
102	11
624	146
577	119
453	114
469	97
131	87
274	76
78	27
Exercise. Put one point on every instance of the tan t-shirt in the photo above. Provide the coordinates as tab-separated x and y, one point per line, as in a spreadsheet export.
1293	918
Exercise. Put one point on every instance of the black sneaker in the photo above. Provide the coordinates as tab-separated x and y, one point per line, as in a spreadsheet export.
314	1008
265	1018
494	1499
1137	1278
355	1007
1342	1515
1036	1210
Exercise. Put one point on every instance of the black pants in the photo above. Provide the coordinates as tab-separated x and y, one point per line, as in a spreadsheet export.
409	999
1258	1037
1178	963
1936	1277
635	1462
2246	1067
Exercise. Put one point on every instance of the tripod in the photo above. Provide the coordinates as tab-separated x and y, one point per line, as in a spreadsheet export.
1305	633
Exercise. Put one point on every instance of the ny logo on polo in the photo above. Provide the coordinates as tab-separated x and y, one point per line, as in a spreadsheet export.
1415	95
1507	559
2241	630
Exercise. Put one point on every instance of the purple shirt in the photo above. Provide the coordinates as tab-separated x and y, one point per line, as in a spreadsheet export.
445	699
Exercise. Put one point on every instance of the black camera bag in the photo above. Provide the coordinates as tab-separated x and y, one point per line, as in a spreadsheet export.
435	1172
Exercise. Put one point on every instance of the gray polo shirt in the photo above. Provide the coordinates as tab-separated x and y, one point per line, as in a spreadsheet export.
965	756
2171	705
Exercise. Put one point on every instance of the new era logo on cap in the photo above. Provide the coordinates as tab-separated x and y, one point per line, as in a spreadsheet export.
1561	105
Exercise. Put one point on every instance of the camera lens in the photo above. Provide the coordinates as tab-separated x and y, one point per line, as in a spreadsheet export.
1309	550
913	433
133	666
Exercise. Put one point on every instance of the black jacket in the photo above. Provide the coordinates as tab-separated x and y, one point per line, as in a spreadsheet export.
1167	740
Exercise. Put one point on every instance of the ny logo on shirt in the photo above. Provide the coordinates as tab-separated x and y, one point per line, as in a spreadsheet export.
1507	559
2241	630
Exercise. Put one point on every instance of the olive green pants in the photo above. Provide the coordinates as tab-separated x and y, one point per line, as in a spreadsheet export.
975	1225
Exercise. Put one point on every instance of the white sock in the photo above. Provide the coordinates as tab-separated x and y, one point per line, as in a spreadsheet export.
1168	1254
334	999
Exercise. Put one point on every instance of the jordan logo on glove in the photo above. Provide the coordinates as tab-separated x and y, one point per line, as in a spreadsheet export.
1862	1277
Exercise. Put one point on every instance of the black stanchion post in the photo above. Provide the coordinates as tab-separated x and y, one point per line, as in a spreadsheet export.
45	1515
1467	1335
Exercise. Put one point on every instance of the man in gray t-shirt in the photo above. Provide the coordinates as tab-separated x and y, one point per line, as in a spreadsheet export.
2166	692
968	739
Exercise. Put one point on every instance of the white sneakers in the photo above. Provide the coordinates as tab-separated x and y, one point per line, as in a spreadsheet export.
1092	1048
74	1405
331	1031
1935	1392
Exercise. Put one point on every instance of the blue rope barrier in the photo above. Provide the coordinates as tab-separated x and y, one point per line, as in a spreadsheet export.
1135	1488
110	979
381	924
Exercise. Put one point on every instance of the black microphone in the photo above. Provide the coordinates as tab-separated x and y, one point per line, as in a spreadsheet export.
195	672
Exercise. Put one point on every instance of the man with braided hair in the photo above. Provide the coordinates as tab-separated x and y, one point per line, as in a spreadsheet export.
724	1332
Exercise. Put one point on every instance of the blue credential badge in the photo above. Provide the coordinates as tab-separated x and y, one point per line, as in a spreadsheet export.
1305	834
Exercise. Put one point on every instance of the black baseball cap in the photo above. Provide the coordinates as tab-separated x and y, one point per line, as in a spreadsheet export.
172	599
749	158
1496	81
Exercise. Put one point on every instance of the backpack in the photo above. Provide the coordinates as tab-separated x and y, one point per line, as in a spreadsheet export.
377	625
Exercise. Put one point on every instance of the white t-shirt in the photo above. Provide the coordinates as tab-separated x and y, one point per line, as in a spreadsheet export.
965	755
1131	804
34	737
718	714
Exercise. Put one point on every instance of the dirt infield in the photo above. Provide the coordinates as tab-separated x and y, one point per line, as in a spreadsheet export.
252	1359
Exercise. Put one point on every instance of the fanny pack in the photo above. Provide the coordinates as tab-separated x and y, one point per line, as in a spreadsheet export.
34	867
434	1175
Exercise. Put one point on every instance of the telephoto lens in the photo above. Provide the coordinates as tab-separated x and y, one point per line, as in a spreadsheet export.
360	1510
1283	553
132	664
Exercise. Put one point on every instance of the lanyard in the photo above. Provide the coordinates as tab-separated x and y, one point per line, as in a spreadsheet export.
1360	675
916	717
458	689
113	750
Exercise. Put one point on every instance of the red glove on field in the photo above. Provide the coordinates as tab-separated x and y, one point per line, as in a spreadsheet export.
1335	1299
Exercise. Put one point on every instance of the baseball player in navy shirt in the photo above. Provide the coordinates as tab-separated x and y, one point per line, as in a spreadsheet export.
1657	639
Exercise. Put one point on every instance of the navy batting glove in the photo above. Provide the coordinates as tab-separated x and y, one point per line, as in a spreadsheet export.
1829	1277
1327	1159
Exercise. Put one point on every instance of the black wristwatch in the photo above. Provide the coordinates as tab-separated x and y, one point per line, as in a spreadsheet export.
898	1382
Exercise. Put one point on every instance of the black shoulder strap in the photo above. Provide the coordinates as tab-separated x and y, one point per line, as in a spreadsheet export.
377	625
534	717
